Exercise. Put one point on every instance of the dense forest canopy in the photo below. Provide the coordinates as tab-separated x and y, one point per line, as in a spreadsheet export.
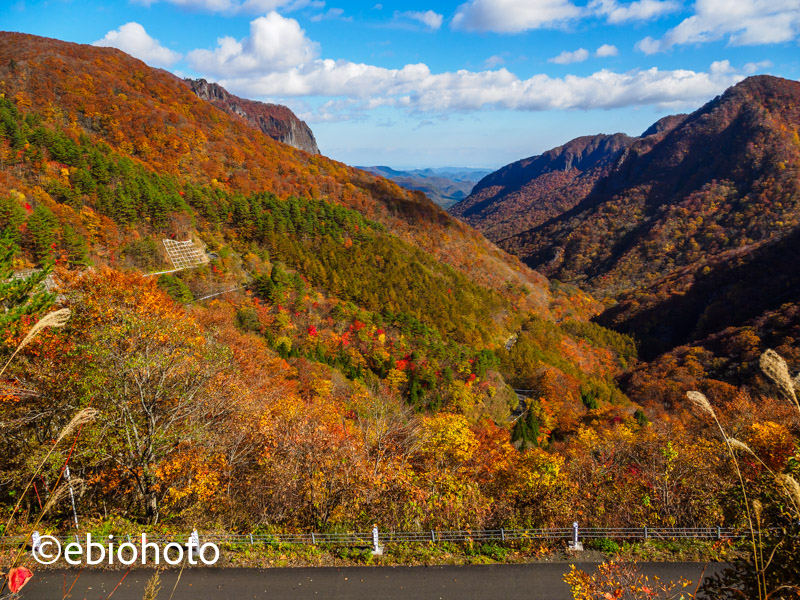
349	353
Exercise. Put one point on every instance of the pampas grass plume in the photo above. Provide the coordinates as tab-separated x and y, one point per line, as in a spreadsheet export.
791	485
85	415
737	445
700	401
774	367
57	318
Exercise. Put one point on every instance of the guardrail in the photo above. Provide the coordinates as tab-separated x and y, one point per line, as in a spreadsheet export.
568	534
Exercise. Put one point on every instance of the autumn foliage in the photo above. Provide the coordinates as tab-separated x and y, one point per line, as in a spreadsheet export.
349	354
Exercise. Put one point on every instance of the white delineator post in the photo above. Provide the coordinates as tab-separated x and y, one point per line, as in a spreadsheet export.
376	546
575	545
71	495
36	542
194	544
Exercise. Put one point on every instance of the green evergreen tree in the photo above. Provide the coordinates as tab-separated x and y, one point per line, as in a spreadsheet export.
19	296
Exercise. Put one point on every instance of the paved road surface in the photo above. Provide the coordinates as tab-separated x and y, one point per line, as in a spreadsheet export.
540	581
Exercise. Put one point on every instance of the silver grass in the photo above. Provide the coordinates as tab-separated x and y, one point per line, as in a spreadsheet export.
738	445
774	367
757	508
83	416
57	318
791	486
700	401
57	496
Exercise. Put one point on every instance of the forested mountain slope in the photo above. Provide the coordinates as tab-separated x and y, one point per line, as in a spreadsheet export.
106	157
346	354
529	192
150	118
725	177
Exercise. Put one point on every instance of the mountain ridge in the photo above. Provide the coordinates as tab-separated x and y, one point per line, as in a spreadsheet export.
275	120
659	227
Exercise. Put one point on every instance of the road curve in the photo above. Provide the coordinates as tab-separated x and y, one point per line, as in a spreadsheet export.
537	581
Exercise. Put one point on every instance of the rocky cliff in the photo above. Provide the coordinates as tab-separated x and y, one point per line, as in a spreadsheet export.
275	120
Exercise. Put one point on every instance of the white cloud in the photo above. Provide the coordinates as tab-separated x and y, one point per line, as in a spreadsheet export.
755	67
743	23
251	7
332	14
275	43
606	50
648	45
431	20
277	60
640	10
133	39
415	88
567	57
514	16
494	61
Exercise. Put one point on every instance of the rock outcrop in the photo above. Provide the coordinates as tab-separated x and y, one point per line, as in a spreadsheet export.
275	120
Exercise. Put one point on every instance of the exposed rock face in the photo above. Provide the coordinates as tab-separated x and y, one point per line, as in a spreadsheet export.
275	120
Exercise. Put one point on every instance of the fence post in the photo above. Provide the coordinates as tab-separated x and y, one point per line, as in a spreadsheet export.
376	546
575	545
433	536
313	539
502	534
251	539
646	535
36	541
719	533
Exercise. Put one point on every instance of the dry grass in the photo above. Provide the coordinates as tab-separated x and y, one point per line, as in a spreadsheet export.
57	318
152	587
775	368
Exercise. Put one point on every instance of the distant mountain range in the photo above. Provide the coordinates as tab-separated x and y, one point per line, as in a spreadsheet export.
445	186
687	230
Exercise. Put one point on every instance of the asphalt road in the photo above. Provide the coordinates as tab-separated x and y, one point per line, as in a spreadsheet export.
538	581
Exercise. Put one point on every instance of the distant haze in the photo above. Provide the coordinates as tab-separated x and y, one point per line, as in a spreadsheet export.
444	185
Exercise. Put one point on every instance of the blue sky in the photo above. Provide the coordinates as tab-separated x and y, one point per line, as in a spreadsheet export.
434	83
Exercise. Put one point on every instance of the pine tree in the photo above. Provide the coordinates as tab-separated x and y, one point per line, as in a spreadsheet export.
19	296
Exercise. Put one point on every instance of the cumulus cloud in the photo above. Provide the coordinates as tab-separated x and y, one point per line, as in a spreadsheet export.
275	43
640	10
514	16
567	57
252	7
606	50
133	39
743	23
431	20
415	88
278	60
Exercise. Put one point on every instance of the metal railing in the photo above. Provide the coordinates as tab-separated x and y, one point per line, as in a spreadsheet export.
568	534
